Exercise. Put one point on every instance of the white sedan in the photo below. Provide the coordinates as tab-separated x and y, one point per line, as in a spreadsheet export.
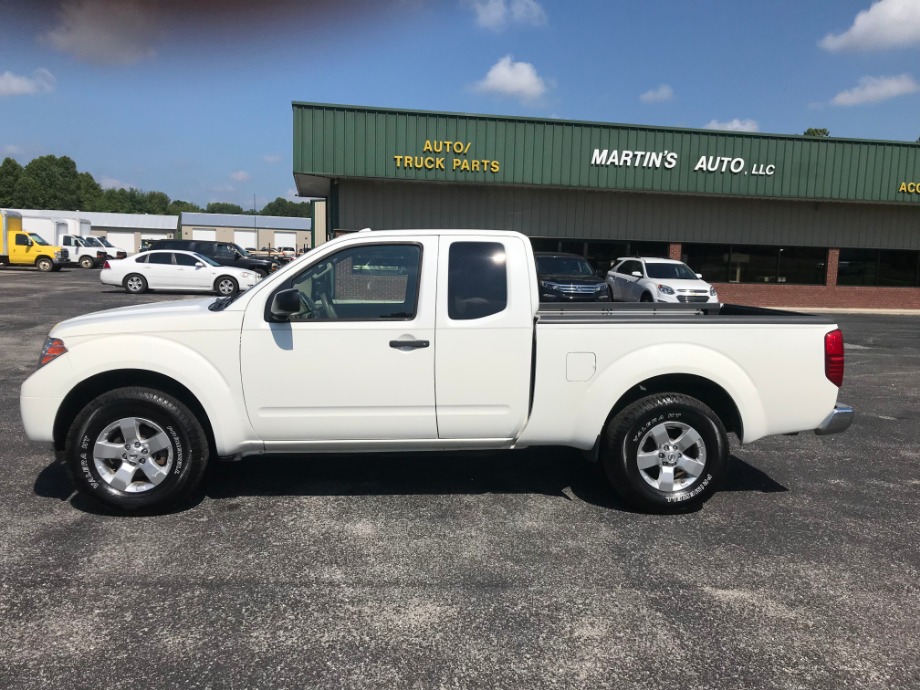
175	270
646	279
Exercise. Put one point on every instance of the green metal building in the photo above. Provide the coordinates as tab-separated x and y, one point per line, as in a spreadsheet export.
777	219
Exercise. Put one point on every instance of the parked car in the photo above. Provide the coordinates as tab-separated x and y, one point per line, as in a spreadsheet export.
648	279
175	270
569	278
224	253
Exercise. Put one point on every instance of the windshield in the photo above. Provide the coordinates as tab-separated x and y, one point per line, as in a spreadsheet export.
241	250
38	239
564	266
103	241
672	271
207	259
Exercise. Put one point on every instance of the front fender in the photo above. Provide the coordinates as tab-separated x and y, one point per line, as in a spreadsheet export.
213	378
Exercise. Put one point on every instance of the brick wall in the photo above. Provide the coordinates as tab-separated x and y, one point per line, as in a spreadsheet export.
815	296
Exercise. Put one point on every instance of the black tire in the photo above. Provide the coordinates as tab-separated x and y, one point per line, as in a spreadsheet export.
261	272
166	459
44	264
87	262
665	453
226	285
646	297
135	284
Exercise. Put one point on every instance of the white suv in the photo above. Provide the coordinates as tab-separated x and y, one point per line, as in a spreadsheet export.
646	279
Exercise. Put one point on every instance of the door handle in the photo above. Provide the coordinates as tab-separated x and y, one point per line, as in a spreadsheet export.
409	344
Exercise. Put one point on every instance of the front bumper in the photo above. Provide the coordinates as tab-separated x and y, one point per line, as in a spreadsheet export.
837	421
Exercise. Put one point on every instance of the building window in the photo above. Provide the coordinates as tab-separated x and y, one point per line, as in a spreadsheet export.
601	254
879	267
757	263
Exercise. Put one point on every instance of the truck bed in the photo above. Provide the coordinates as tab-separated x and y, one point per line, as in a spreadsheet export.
644	312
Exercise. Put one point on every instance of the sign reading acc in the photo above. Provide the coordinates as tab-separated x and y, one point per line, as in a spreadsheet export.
909	187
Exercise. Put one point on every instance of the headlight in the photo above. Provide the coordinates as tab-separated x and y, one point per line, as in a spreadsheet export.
665	290
246	274
712	291
600	286
549	285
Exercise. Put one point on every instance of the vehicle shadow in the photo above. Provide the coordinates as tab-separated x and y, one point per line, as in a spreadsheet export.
560	472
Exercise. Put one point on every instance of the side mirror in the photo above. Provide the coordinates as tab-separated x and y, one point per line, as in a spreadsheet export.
286	303
638	274
199	264
699	275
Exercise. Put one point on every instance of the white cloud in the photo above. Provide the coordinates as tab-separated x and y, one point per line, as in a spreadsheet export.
515	79
735	125
41	81
660	95
105	32
494	14
875	89
271	158
887	24
12	150
111	183
240	176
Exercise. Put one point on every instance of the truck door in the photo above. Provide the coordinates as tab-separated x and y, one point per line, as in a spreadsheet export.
484	337
358	362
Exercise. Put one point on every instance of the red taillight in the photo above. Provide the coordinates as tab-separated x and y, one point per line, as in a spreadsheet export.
54	348
833	357
106	265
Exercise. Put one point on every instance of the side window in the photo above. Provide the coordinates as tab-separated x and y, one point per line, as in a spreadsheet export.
142	259
185	259
161	258
224	251
477	280
370	282
22	240
629	266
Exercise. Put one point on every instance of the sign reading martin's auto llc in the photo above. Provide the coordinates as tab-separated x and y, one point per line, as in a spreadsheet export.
670	160
335	142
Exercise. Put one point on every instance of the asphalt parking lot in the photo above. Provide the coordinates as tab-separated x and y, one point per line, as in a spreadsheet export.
509	570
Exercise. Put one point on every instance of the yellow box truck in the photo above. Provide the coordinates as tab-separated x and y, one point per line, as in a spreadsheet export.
21	248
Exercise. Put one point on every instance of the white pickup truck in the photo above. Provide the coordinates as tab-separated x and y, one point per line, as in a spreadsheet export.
424	340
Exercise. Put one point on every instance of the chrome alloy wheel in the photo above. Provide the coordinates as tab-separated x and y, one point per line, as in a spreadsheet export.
135	284
671	456
133	455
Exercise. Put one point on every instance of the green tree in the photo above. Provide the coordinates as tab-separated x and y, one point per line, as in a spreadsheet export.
49	182
178	206
283	207
812	132
89	192
223	207
10	172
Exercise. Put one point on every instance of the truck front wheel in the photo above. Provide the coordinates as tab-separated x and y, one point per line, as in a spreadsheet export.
44	264
666	453
87	262
136	448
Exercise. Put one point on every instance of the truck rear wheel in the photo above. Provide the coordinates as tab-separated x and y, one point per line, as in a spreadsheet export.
44	264
136	448
666	453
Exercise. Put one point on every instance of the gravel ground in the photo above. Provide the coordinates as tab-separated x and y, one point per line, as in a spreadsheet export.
505	570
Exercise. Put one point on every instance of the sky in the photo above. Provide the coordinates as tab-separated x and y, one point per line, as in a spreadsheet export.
193	98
